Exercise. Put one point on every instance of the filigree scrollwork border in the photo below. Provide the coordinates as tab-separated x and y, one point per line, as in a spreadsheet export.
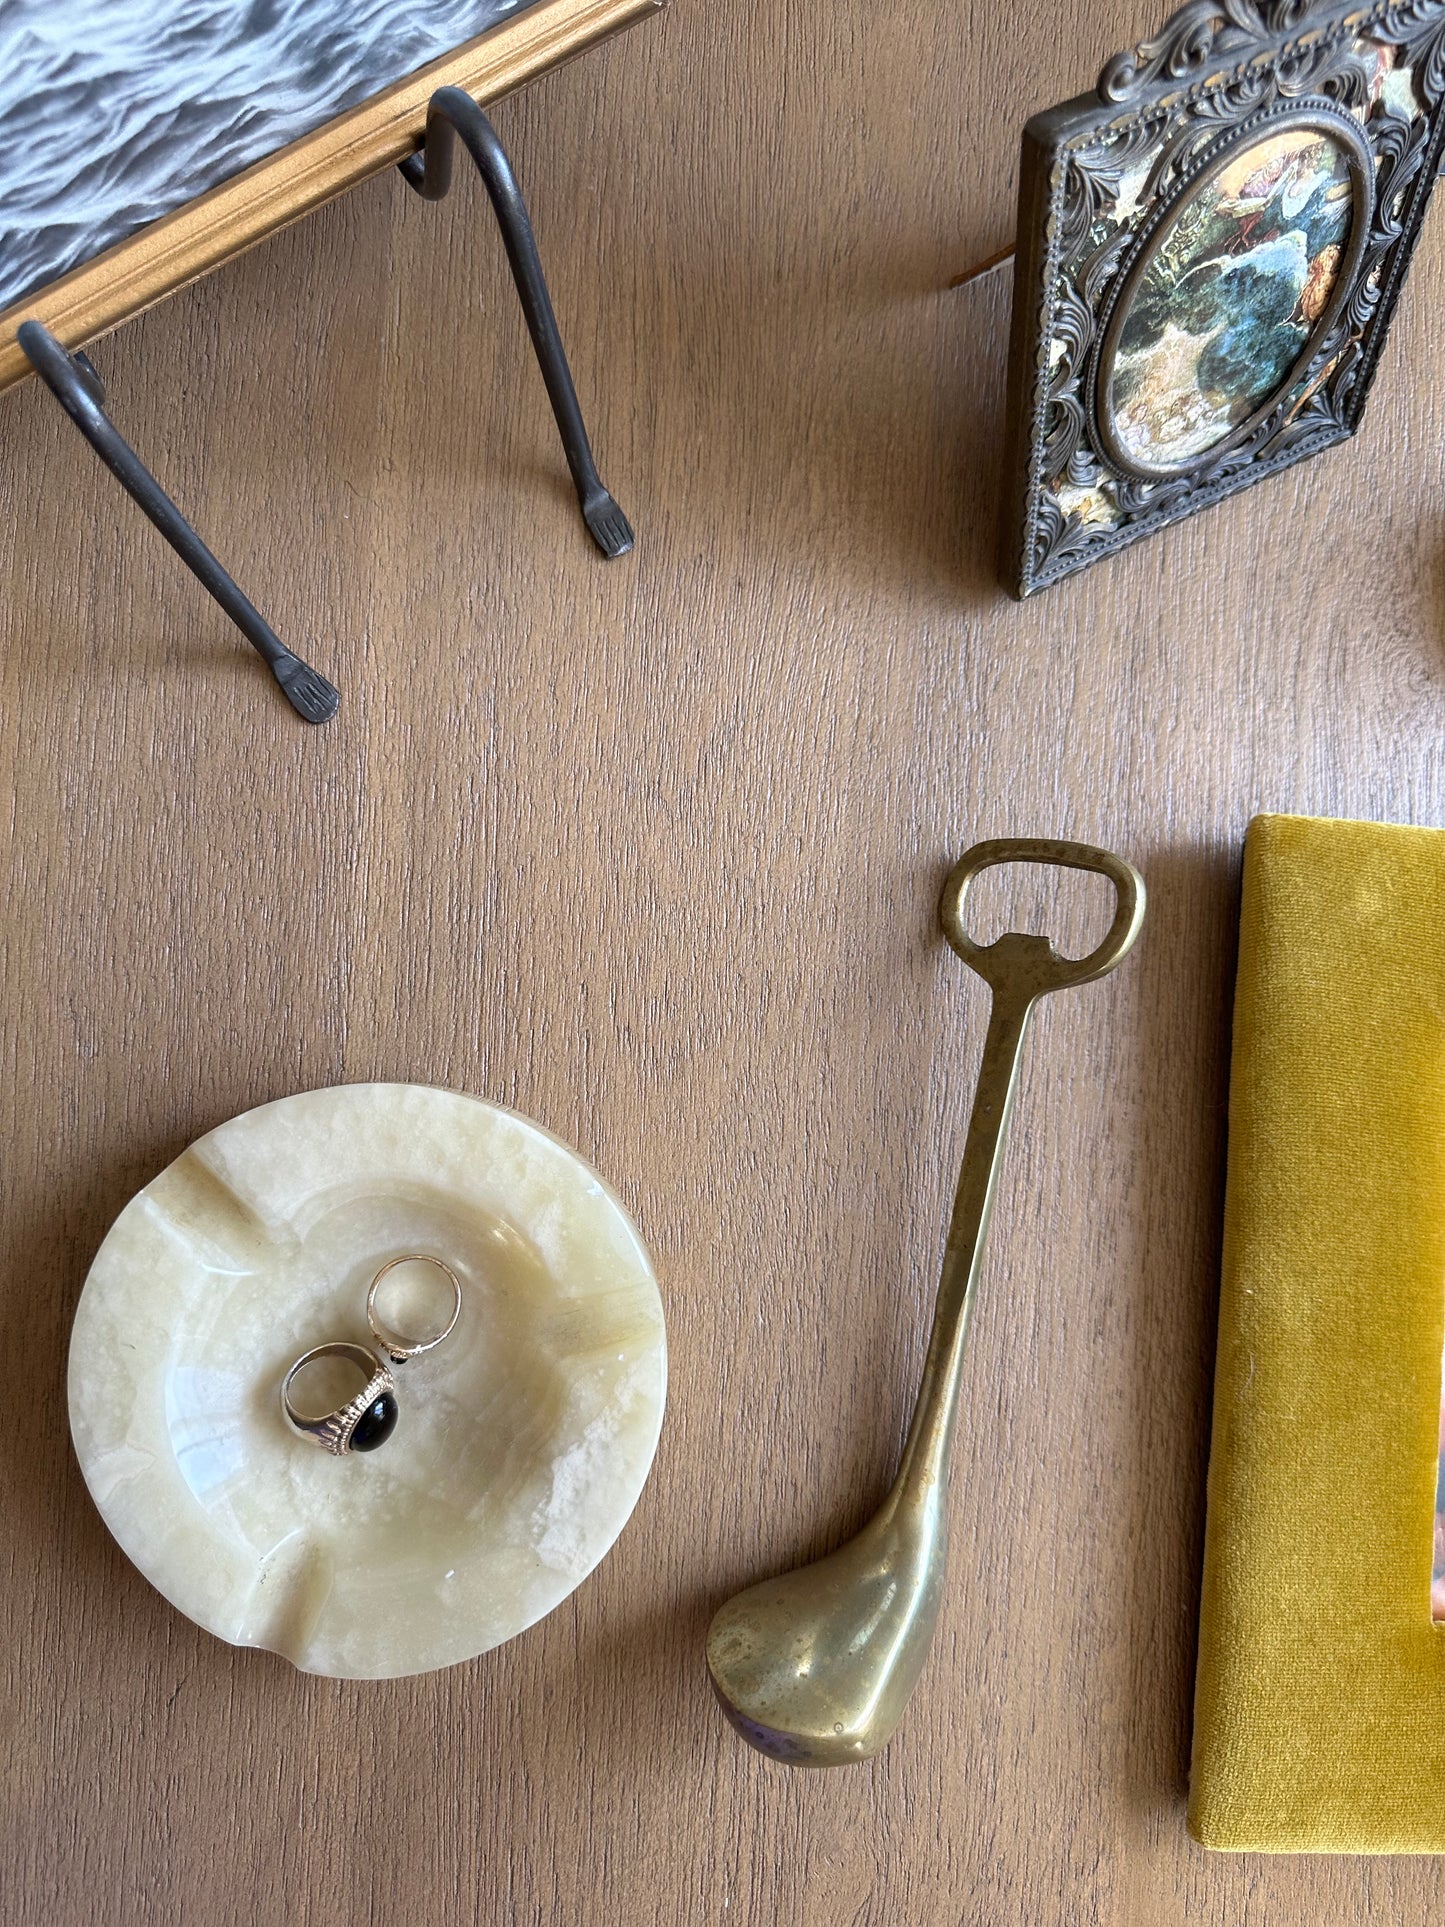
1096	175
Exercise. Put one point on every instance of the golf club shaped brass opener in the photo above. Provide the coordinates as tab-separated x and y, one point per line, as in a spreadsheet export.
816	1666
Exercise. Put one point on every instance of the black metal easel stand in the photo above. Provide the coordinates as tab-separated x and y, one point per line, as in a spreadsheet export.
81	393
74	382
451	111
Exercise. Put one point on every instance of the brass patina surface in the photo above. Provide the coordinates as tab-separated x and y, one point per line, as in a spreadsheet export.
816	1666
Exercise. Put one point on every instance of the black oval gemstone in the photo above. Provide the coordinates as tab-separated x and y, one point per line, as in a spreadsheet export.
376	1425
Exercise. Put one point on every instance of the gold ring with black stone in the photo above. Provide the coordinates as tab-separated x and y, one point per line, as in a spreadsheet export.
365	1421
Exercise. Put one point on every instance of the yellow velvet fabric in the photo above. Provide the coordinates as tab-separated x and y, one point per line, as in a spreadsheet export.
1319	1720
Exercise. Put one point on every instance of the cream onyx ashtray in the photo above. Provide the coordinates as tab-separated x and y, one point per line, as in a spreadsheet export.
515	1451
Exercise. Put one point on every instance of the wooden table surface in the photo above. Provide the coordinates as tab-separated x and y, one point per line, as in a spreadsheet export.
650	850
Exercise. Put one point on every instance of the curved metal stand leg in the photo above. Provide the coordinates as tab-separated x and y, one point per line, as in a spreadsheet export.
81	393
430	173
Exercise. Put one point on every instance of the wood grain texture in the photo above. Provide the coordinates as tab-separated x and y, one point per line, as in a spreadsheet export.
651	851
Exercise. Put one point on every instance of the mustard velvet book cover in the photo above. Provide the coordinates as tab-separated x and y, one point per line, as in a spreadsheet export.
1319	1721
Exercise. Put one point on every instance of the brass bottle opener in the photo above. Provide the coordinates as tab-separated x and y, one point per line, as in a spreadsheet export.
816	1666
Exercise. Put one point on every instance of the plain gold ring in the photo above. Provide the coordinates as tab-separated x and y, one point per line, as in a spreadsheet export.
393	1343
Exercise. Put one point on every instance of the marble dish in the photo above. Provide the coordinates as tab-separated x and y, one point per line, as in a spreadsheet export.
523	1442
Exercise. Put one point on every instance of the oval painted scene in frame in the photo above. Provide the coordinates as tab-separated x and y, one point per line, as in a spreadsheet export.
1224	307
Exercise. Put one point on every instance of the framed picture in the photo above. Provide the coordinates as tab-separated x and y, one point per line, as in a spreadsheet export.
142	142
1210	250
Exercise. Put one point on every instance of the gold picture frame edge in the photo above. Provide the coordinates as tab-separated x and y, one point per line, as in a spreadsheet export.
178	248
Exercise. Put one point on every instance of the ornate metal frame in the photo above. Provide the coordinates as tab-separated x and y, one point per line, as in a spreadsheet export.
1221	75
